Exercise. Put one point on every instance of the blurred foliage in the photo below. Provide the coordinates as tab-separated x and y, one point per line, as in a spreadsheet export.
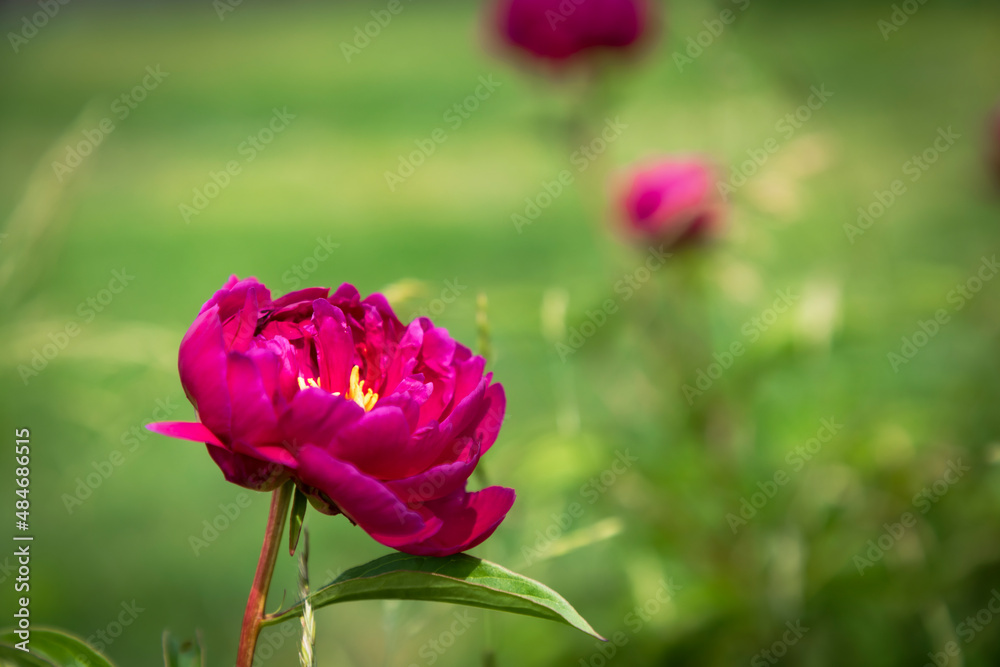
643	549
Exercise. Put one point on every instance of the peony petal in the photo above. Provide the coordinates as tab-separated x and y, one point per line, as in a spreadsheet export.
439	481
288	373
269	364
379	444
346	296
308	294
489	426
381	304
415	387
247	471
468	413
405	402
254	421
363	499
194	431
334	347
438	350
376	360
468	375
231	298
316	417
277	454
405	360
466	520
221	293
239	329
202	365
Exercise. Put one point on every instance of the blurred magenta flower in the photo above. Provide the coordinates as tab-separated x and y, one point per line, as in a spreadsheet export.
558	30
380	421
671	200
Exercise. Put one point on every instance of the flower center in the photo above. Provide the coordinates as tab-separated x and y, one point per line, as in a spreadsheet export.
356	392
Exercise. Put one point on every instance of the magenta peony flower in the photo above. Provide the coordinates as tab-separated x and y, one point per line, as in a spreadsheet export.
380	421
557	30
672	200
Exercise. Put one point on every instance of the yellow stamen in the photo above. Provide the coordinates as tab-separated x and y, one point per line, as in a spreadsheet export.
308	382
356	392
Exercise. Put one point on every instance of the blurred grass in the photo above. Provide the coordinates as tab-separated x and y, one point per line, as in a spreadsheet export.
324	176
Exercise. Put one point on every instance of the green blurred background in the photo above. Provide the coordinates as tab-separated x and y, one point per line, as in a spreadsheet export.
655	536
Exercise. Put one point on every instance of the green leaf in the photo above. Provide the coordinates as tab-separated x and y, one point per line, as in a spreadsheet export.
176	654
18	658
299	504
53	648
459	579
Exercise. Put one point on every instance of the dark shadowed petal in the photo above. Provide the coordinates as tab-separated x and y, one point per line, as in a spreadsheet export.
247	471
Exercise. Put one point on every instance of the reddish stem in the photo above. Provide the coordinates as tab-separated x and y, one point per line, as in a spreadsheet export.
265	568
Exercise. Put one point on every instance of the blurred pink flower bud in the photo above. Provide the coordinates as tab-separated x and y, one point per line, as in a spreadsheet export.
559	30
671	200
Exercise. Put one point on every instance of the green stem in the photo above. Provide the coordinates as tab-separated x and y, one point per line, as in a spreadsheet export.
254	613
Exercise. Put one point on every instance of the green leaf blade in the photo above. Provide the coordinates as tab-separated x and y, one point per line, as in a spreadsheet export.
458	579
58	648
300	502
14	656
